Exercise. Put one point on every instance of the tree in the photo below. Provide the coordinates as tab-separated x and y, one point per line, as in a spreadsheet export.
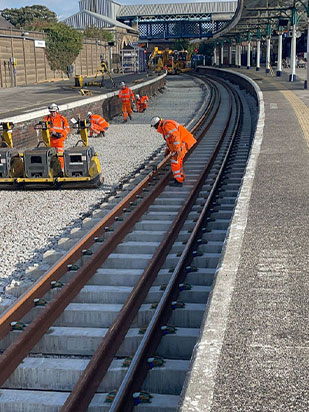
207	50
30	17
181	44
63	45
96	33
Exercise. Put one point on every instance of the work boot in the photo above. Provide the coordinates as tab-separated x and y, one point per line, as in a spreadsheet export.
102	134
130	117
175	183
125	120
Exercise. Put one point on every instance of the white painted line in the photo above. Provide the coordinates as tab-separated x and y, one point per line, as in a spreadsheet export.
42	112
198	390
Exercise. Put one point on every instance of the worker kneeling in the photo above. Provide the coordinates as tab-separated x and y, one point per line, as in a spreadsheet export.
59	130
141	103
98	125
178	141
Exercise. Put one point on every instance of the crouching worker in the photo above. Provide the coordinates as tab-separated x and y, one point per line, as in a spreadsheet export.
178	141
59	130
141	103
98	125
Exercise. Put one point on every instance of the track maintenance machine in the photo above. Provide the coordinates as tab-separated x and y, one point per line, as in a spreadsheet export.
40	168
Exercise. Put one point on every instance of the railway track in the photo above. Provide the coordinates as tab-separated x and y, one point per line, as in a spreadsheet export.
113	323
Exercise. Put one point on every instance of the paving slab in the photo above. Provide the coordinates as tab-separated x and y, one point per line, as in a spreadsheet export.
253	353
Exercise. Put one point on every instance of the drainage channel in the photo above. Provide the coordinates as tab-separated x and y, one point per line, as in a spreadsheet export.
43	380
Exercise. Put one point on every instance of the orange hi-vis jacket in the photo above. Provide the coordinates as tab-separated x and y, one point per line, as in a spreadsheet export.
60	125
187	137
170	131
98	124
142	103
179	140
126	95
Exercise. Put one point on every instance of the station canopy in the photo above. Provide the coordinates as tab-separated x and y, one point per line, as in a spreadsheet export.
252	15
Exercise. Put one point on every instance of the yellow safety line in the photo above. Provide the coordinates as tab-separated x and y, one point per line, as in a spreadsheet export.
301	111
299	107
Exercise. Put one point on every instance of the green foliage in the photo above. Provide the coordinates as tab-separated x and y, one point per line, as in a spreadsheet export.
34	17
181	44
63	45
207	50
96	33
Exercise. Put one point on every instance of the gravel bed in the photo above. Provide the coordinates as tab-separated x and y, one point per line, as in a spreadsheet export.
33	221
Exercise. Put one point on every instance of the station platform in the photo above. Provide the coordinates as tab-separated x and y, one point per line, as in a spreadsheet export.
254	349
253	354
25	99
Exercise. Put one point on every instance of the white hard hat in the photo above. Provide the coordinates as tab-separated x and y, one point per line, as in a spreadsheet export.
89	114
53	108
122	84
137	96
154	121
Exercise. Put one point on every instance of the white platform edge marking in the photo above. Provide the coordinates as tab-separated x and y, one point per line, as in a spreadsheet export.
89	100
198	391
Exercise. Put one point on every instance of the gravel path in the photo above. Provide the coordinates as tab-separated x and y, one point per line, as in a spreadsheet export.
33	221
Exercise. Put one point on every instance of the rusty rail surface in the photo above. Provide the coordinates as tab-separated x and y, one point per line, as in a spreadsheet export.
16	352
138	369
84	390
25	303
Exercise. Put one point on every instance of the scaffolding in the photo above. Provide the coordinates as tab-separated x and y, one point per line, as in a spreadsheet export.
133	59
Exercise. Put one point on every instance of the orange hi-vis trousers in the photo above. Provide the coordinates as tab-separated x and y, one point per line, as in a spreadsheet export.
59	146
126	109
177	165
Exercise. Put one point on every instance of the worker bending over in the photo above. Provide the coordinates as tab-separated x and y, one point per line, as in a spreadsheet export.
98	125
59	130
141	103
178	141
125	94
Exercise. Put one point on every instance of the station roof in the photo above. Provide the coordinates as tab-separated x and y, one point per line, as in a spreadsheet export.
254	14
86	18
158	9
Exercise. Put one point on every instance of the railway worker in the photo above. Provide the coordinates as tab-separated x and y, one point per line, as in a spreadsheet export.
178	141
141	103
59	130
126	95
98	125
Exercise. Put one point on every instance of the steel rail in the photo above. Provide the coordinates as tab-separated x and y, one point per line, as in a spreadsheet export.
138	369
17	351
28	338
25	302
89	381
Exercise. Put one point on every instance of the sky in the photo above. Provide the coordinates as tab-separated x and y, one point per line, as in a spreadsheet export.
68	7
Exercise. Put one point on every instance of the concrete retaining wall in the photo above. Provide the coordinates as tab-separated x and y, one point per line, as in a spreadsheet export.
24	135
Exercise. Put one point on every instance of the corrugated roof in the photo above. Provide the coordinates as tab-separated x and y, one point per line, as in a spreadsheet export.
257	13
85	18
177	8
